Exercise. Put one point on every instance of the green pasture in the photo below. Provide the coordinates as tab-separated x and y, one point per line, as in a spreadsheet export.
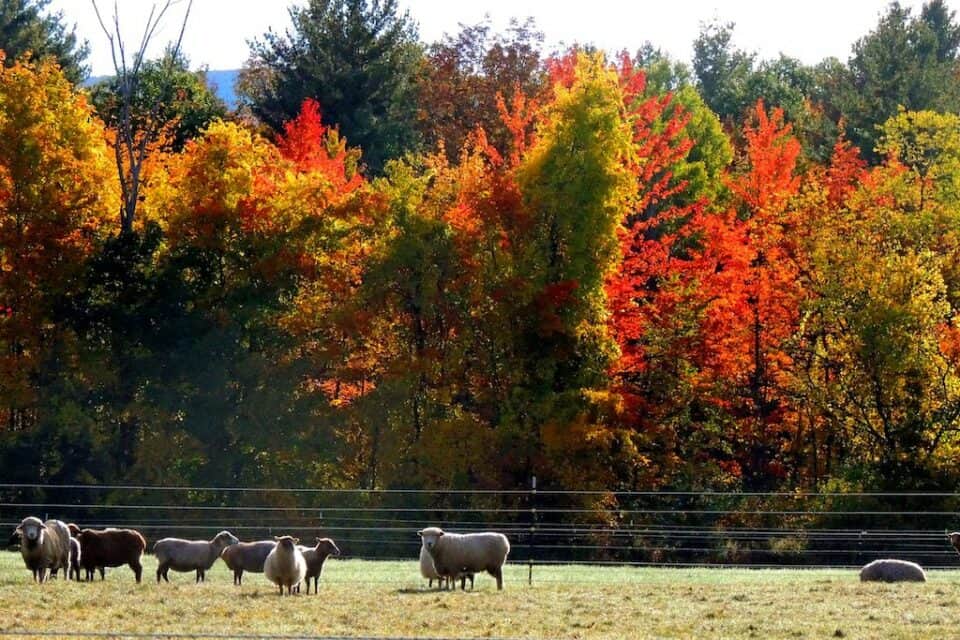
365	598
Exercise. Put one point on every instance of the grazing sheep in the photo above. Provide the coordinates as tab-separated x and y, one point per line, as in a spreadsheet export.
247	556
285	565
889	570
111	548
315	557
44	545
457	555
190	555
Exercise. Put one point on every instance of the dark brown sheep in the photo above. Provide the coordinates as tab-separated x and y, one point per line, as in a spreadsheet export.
111	548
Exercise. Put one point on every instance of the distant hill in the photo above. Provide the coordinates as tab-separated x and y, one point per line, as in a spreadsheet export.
220	81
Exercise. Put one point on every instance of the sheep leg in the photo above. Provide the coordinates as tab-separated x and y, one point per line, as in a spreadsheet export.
162	572
237	577
102	573
316	585
497	572
137	570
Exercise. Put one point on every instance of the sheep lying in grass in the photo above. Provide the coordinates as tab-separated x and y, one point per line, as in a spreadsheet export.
190	555
889	570
44	545
247	556
315	557
456	555
285	565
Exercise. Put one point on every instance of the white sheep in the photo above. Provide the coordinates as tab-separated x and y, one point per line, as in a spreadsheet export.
285	565
190	555
889	570
456	555
44	545
427	570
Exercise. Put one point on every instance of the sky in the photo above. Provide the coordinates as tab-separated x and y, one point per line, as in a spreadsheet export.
218	30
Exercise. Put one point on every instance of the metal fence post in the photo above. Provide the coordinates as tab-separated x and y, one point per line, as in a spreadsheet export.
533	528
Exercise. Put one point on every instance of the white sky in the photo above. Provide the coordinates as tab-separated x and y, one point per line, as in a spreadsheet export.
811	30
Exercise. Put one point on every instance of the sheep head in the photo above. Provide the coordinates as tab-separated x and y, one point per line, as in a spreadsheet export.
328	546
955	540
224	539
286	543
430	536
31	531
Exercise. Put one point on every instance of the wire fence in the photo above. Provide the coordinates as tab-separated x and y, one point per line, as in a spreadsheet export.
546	528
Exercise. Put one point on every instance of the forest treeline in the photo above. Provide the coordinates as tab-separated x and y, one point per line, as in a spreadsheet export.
466	263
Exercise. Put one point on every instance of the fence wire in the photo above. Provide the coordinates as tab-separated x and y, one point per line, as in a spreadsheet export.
546	528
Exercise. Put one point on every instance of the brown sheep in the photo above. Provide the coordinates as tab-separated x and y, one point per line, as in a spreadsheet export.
111	548
315	557
955	540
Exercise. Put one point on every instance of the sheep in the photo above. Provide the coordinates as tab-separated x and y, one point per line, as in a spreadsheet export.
889	570
285	565
315	557
246	556
44	545
955	540
74	559
456	555
111	548
428	571
190	555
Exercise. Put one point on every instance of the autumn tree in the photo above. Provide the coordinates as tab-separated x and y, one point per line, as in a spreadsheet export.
56	190
880	328
466	74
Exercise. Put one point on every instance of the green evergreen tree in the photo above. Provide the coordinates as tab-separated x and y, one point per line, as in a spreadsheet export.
358	58
25	27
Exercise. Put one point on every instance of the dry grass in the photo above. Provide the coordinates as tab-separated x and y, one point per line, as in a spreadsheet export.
360	598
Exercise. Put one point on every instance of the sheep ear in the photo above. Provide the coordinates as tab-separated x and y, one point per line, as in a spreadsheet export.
19	529
420	533
440	534
44	527
317	539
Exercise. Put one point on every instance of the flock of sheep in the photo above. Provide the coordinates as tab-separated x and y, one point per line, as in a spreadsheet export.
445	557
54	545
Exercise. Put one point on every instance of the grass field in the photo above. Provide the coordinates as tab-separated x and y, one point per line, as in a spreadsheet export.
359	598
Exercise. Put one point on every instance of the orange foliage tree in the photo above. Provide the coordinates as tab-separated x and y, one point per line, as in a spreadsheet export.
57	188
